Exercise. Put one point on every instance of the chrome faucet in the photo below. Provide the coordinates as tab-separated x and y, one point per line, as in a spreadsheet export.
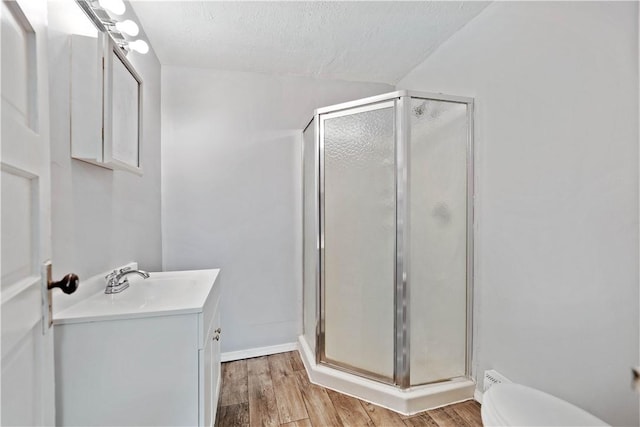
117	282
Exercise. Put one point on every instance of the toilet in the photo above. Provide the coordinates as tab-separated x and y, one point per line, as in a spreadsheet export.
519	405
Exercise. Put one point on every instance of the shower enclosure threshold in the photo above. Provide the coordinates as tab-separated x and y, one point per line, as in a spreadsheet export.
407	402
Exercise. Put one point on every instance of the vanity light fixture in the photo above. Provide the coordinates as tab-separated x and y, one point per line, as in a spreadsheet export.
116	7
128	27
139	46
101	13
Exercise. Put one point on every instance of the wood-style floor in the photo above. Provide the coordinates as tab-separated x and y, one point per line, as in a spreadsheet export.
275	391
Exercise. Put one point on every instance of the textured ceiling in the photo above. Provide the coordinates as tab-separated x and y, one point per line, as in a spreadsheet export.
364	41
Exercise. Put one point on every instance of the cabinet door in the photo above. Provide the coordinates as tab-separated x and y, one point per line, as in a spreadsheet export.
210	374
206	407
215	366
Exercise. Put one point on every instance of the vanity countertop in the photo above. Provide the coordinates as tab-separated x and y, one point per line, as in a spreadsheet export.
163	293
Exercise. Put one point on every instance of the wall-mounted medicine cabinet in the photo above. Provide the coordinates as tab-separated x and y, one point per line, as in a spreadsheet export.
106	100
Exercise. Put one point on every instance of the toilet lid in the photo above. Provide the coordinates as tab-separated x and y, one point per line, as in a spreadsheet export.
518	405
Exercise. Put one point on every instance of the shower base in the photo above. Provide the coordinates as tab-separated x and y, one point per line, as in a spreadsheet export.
407	402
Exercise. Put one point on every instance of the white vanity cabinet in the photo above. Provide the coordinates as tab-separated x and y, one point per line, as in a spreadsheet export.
148	356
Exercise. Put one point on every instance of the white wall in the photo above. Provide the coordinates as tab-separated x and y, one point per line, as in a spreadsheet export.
100	218
231	182
556	86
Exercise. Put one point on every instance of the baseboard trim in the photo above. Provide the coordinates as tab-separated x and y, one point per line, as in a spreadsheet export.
257	352
477	395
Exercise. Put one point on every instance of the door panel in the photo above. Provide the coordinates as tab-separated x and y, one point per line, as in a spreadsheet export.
437	265
14	45
18	44
18	316
19	219
359	234
22	405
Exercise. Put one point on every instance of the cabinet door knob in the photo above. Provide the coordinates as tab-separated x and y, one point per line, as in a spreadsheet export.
217	331
216	337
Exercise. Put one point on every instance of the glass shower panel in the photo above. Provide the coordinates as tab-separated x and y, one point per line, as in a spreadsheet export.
437	268
309	223
359	239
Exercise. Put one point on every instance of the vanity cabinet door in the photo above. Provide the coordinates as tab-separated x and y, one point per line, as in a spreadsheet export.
216	373
206	398
209	364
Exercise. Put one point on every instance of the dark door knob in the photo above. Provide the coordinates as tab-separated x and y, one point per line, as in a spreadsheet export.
68	284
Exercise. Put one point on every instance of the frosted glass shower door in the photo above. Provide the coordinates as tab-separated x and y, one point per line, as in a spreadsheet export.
438	239
358	239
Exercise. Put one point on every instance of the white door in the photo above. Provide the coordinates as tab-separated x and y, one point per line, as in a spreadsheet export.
27	340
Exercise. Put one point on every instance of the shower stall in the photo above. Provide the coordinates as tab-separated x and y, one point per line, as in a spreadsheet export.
388	249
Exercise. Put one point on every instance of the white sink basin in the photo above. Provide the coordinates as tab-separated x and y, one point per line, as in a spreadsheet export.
172	292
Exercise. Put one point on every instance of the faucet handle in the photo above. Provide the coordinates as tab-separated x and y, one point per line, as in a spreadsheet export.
111	275
117	272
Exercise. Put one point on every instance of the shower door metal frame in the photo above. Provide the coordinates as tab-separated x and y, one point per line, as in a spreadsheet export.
402	351
402	136
316	227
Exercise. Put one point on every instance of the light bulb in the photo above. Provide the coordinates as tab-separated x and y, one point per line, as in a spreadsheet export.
116	7
139	46
128	27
